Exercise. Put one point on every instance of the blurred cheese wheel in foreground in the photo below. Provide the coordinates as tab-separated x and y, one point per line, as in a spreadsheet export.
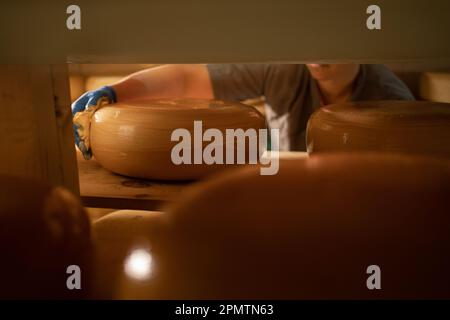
134	139
311	231
43	230
435	86
117	235
417	127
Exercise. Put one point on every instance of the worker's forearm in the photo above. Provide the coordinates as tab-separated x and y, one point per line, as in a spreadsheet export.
168	81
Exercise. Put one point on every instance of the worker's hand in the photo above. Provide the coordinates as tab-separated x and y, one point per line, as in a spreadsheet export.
87	100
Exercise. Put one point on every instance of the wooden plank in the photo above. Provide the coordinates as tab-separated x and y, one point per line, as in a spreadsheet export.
103	189
36	140
64	126
223	31
124	203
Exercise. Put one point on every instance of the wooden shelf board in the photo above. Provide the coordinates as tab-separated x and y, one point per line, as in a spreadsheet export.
100	188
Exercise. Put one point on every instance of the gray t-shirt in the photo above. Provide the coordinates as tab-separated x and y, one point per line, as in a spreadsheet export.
291	94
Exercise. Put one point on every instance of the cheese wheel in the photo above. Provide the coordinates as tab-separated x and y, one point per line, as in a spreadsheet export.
312	231
435	86
43	231
414	127
134	139
116	236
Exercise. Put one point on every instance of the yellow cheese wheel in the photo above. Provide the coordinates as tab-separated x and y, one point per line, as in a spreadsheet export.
116	235
317	229
413	127
435	86
134	139
43	231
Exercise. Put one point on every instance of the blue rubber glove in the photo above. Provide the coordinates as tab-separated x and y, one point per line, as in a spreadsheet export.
88	99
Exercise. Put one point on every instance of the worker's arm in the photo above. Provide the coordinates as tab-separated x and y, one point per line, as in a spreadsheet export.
168	81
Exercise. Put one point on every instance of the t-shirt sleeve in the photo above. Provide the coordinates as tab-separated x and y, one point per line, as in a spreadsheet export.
380	83
282	85
237	81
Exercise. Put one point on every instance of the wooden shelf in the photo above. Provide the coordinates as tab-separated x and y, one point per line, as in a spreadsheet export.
100	188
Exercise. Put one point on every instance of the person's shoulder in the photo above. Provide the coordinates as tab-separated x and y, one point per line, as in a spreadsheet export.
379	74
381	83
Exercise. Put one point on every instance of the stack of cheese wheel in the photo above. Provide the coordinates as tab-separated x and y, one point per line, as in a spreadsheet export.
135	139
317	229
43	231
414	127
